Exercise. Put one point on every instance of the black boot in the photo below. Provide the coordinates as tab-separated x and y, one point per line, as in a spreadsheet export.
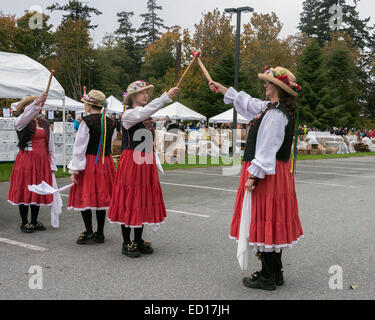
264	279
279	277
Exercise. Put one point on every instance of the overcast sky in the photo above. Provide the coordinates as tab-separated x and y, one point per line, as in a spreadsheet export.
178	12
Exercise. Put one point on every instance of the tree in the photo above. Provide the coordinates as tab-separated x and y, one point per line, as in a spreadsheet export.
74	55
315	21
8	31
35	43
76	11
125	30
309	76
261	45
149	30
339	105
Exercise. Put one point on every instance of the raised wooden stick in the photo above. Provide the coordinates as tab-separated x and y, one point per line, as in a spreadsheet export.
207	75
49	83
196	56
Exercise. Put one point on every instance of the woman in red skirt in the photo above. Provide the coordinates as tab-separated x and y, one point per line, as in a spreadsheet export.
137	197
92	167
34	163
267	173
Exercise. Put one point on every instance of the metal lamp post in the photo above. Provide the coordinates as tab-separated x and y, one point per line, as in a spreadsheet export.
237	11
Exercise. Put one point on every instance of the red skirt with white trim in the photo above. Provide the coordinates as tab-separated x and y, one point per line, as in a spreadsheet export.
95	185
31	167
137	195
275	223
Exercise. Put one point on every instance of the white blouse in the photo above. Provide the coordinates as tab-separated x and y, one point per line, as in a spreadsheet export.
270	135
24	119
139	114
78	163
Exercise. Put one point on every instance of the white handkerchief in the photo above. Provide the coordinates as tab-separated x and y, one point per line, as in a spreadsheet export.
45	189
243	241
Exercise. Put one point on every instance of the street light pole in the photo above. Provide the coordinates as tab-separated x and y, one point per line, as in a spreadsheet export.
237	11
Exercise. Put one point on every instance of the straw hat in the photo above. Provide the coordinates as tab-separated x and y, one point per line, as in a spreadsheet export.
95	98
24	103
281	77
136	87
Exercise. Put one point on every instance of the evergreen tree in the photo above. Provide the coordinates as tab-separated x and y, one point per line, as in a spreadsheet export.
309	76
339	105
125	30
75	10
125	37
149	30
316	17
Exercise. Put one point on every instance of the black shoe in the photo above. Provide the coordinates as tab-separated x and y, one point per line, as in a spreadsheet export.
130	250
260	283
27	228
85	238
39	227
98	238
145	247
279	278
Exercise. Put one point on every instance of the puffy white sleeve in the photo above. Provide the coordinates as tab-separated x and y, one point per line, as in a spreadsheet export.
24	119
269	141
133	116
246	105
78	163
51	149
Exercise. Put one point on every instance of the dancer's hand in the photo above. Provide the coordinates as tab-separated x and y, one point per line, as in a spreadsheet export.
73	179
173	92
42	100
223	90
251	184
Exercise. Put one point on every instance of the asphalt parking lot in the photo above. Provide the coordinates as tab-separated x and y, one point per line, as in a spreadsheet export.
194	258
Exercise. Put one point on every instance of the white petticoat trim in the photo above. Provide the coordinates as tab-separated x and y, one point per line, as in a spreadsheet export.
136	227
262	247
30	204
88	208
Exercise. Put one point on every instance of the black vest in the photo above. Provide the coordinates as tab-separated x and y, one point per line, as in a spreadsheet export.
285	150
93	122
132	138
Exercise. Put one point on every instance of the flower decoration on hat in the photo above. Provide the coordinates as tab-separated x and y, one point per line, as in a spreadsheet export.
283	77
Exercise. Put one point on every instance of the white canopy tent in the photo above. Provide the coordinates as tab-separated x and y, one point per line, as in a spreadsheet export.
178	111
227	117
114	105
21	76
70	105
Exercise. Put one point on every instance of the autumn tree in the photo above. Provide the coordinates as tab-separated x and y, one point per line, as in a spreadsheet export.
8	30
261	45
36	43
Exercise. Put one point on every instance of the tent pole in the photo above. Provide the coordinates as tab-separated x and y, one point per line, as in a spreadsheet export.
64	131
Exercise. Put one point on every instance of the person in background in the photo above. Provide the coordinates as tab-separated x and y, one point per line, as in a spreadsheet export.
181	126
69	118
77	122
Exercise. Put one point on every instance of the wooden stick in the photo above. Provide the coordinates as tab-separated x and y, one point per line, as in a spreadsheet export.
206	73
187	70
49	83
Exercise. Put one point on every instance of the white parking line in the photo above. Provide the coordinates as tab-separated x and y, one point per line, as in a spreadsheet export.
297	181
197	187
331	167
189	213
23	245
337	174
